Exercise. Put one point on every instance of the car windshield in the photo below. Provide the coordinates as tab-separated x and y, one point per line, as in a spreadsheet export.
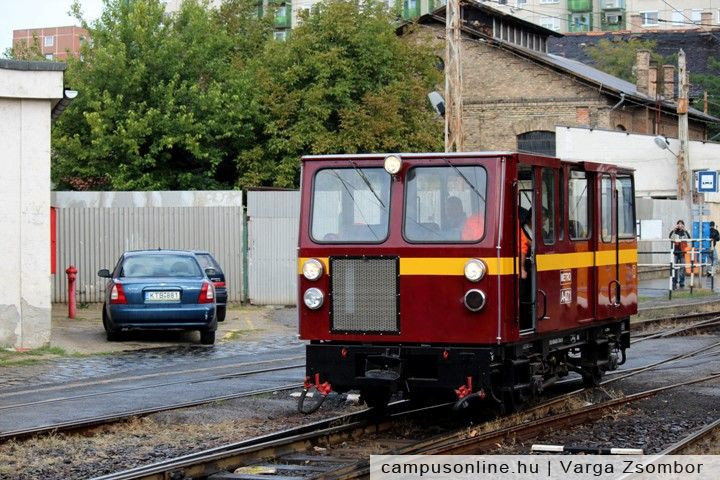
156	265
445	204
351	205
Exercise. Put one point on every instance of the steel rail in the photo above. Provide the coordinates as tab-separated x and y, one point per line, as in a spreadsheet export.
459	443
164	373
693	439
712	322
153	385
227	457
231	456
89	422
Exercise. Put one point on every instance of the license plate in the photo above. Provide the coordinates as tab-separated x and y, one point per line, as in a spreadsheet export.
162	296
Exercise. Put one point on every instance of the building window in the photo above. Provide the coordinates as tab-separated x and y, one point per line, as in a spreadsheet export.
49	56
550	23
280	35
549	1
580	22
520	3
677	18
49	41
696	15
649	18
541	142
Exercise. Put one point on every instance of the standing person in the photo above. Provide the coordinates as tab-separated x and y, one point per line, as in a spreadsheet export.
679	237
714	238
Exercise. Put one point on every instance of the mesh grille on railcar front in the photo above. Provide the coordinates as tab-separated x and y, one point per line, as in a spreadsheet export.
364	294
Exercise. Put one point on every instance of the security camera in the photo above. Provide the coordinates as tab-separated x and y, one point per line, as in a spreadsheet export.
437	102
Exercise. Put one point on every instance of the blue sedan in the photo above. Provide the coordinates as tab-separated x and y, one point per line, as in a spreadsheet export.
159	289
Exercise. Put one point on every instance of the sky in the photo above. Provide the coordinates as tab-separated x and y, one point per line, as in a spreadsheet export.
17	14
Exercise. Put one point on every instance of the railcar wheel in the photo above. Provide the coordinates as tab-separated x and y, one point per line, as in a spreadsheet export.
377	399
591	377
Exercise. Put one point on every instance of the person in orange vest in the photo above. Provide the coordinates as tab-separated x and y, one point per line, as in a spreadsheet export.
523	217
681	245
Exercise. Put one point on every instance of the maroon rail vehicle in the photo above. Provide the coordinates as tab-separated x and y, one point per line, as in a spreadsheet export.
463	276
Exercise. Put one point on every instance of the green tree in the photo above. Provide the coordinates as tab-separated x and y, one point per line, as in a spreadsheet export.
344	82
161	104
618	57
710	82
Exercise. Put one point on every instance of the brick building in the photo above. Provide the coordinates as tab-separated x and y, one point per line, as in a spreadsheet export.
54	42
515	93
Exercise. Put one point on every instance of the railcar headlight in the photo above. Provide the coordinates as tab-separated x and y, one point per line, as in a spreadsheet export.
474	300
312	269
393	163
475	270
313	298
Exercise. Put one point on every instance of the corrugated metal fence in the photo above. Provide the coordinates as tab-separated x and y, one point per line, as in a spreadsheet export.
93	238
273	238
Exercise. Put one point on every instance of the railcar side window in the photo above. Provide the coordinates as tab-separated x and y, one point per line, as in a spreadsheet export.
445	204
606	206
548	206
626	207
351	205
578	206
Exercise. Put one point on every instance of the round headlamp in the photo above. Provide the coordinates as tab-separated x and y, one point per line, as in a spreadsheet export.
313	298
393	163
312	269
475	270
474	300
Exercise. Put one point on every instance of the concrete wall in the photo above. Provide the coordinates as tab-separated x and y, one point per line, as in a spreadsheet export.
27	95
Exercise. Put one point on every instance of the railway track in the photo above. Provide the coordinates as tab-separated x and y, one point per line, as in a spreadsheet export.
695	323
297	450
94	421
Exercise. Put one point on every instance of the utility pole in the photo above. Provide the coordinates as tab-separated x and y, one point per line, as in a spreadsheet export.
685	174
453	78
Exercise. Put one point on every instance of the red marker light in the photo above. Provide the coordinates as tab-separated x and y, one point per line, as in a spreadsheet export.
445	355
343	353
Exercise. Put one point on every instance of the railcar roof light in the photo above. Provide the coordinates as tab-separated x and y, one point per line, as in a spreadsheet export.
312	269
393	163
475	270
313	298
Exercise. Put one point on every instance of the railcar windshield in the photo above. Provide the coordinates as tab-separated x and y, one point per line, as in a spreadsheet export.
445	204
350	205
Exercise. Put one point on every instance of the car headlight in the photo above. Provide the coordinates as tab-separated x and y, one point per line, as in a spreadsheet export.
313	298
393	163
474	300
475	270
312	269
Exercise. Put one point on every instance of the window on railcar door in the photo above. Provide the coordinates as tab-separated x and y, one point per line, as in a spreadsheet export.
626	206
578	206
606	206
548	206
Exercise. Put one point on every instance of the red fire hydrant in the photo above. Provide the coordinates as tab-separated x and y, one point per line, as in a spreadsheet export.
71	274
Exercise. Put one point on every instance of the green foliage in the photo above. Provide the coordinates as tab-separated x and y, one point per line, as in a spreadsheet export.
710	82
161	104
205	99
618	57
343	83
26	51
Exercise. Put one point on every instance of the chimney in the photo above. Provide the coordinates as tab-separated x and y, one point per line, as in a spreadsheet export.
669	82
636	23
652	81
706	18
642	67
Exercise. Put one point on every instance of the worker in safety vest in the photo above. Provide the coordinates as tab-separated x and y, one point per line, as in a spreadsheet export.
681	245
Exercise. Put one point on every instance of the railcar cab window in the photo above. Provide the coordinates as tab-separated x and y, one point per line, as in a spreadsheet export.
578	206
548	206
445	204
606	205
350	205
626	206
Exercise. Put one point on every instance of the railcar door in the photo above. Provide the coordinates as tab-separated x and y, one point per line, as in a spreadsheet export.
577	281
525	240
626	243
607	297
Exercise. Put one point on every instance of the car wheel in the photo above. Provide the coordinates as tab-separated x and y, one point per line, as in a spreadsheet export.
111	333
207	337
221	314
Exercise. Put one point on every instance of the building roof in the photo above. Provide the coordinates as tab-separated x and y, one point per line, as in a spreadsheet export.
607	83
32	66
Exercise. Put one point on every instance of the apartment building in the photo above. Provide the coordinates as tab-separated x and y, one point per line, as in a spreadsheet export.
55	43
569	16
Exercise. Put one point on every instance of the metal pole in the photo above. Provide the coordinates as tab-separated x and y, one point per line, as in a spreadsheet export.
685	173
453	78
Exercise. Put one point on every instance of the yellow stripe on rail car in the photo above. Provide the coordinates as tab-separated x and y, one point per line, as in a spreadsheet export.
504	266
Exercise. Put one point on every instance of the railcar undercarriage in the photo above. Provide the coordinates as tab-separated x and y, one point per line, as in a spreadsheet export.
509	375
